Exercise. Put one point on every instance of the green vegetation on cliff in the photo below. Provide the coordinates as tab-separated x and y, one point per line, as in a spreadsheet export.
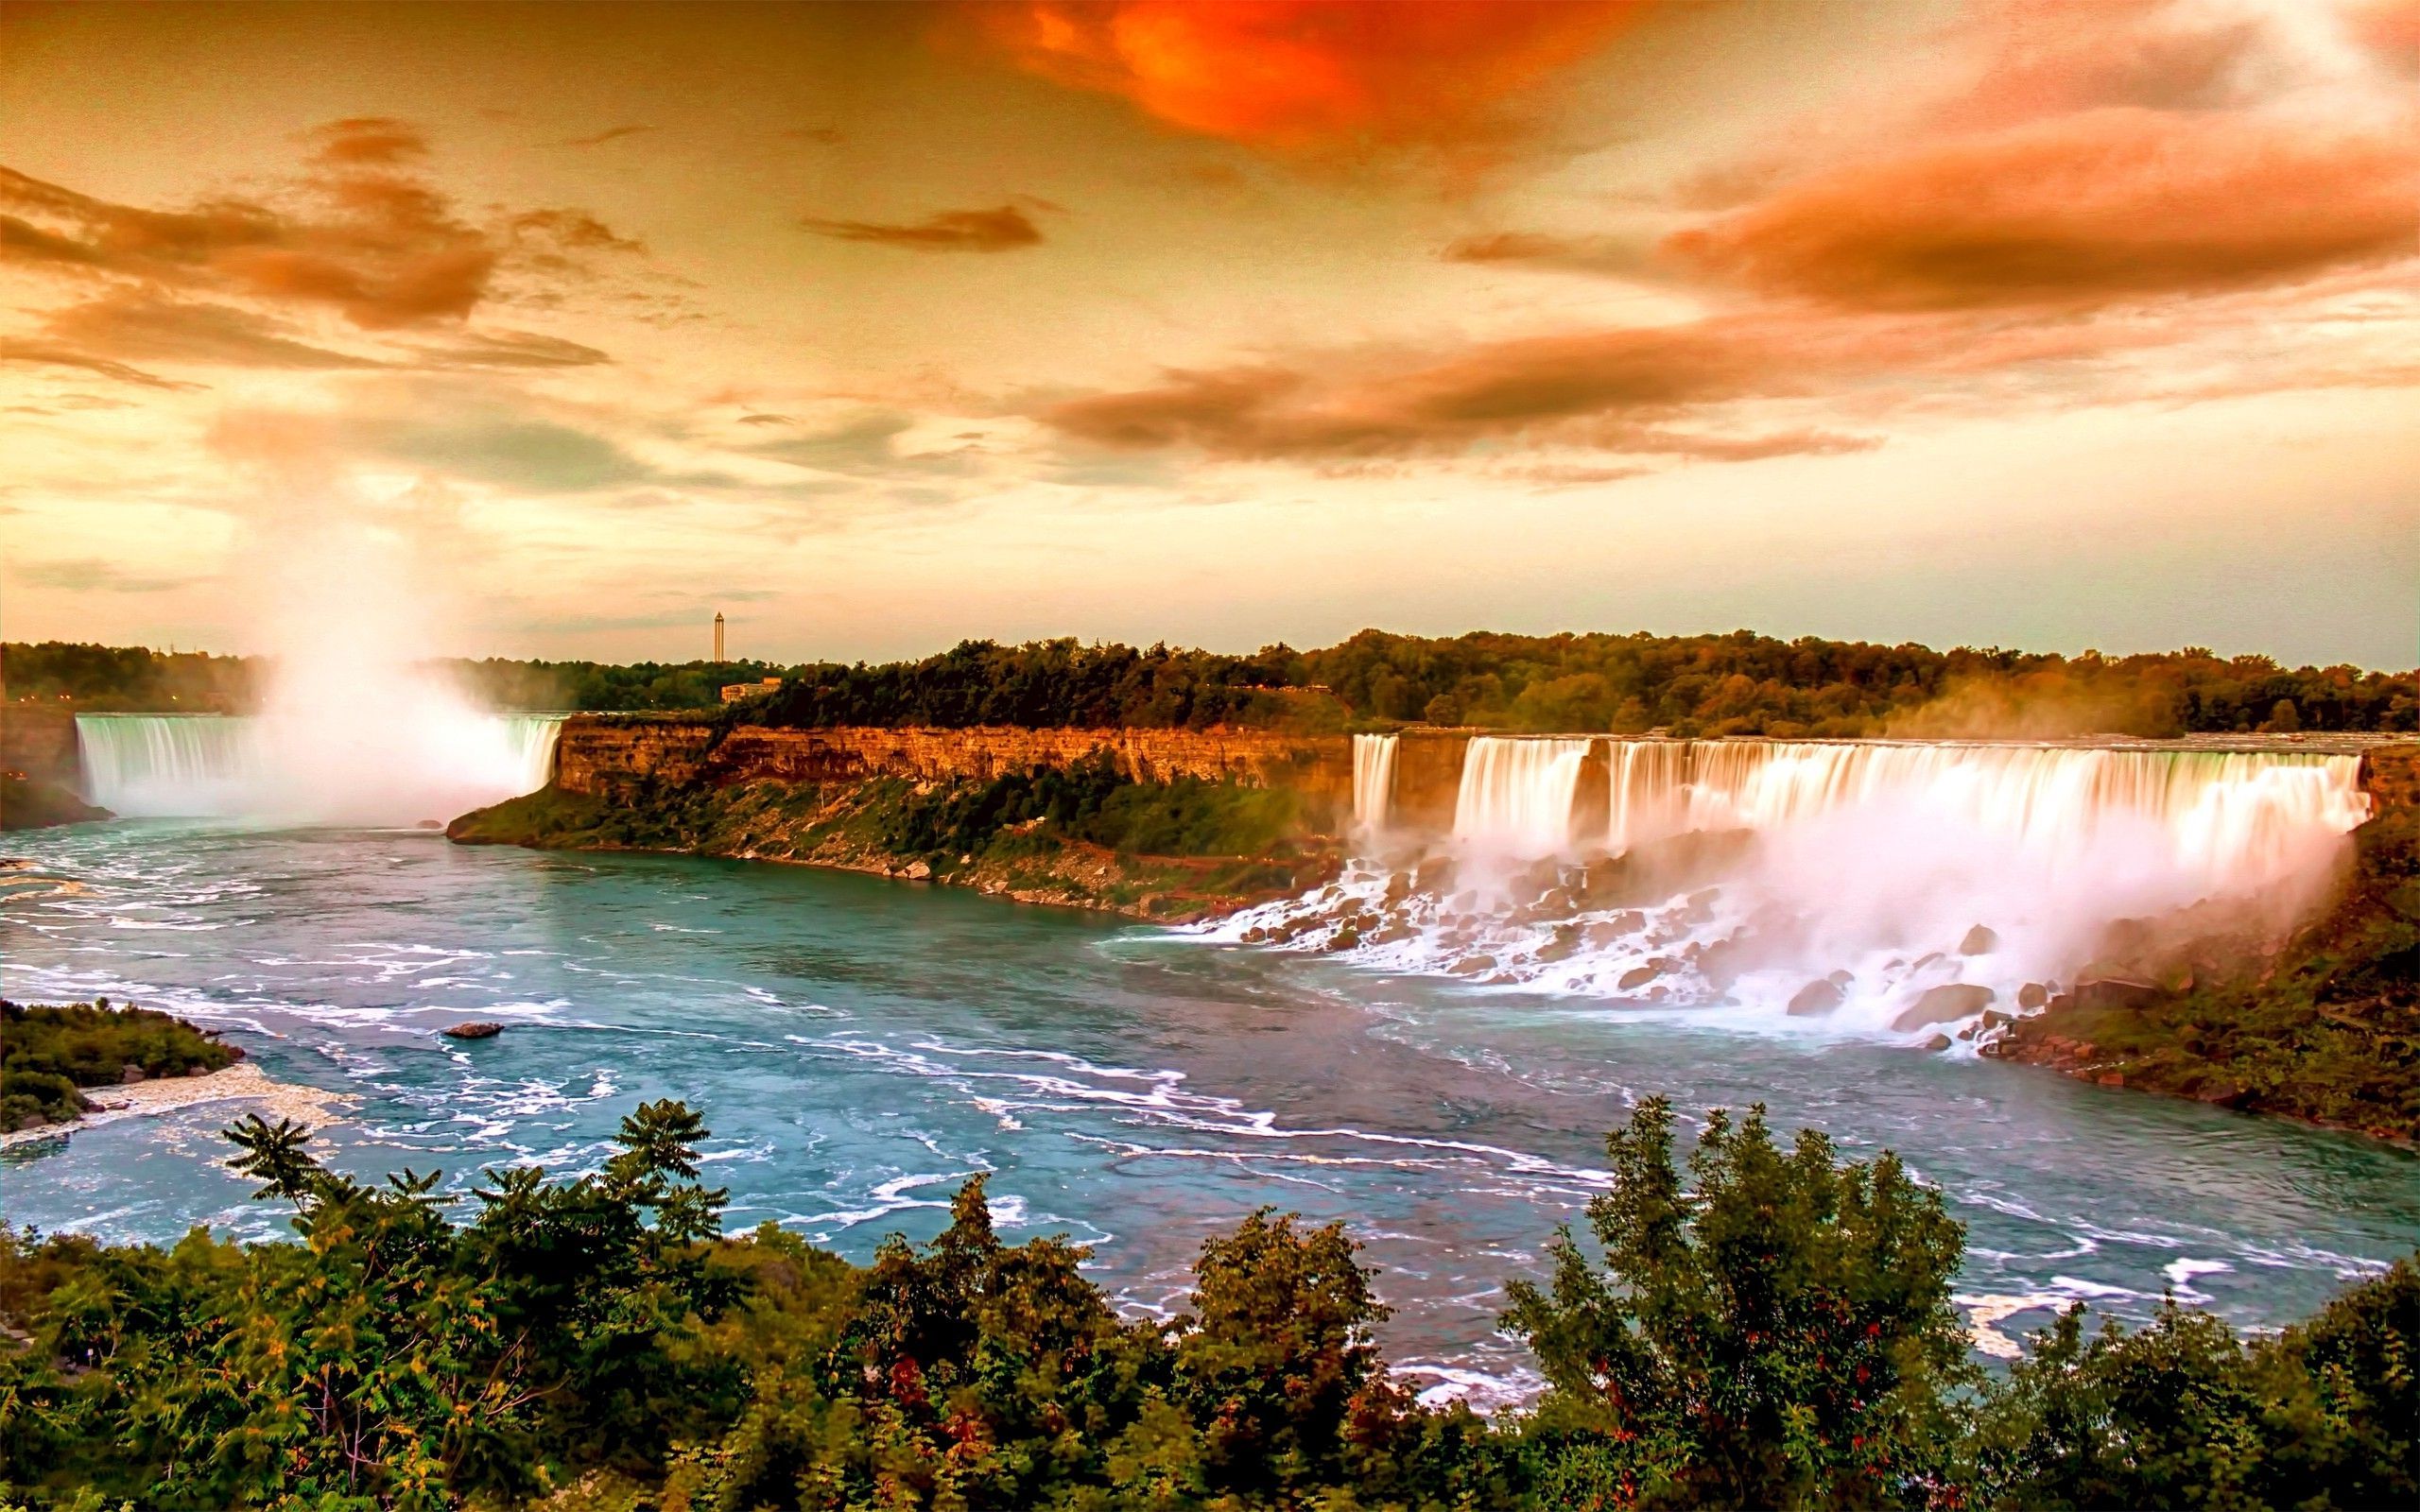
1084	835
1761	1327
2327	1030
47	1054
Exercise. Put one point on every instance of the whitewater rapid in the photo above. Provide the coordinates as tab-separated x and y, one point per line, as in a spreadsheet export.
1902	890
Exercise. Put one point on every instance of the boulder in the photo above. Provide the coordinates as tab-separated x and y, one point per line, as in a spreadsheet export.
1721	963
2033	995
1818	996
197	1071
1638	976
1978	941
130	1074
1473	965
1840	979
1937	1043
472	1031
918	870
1944	1004
2099	987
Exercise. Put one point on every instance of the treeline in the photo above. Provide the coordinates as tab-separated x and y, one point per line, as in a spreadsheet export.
1751	1325
122	679
1709	685
1739	683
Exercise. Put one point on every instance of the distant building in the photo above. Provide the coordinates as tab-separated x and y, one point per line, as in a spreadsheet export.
733	692
718	656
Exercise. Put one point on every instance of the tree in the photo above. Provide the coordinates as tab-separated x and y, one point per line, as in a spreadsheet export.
2284	717
1442	710
1781	1336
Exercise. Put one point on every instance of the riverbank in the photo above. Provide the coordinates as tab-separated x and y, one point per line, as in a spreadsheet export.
1171	852
241	1082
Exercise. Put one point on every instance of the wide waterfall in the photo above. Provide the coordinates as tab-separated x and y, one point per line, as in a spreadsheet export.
1833	887
1516	795
207	765
1373	781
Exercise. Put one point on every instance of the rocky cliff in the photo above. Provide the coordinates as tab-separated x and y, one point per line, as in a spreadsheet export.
605	756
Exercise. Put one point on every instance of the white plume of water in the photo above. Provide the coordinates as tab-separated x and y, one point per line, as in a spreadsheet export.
1373	781
1516	795
1856	876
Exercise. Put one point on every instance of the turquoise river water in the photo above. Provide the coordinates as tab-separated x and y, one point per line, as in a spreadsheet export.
859	1046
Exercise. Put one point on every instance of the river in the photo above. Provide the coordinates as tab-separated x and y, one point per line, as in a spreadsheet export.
859	1046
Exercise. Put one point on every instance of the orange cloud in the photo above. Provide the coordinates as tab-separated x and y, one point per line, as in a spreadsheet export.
1294	74
2082	208
952	231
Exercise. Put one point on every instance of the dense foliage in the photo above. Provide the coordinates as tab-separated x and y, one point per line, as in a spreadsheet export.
1092	801
47	1052
1739	683
107	678
1772	1331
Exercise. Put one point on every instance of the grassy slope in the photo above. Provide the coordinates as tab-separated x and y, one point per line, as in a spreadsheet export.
2329	1031
1231	845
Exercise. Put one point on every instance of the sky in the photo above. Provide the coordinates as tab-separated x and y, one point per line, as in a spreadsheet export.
873	328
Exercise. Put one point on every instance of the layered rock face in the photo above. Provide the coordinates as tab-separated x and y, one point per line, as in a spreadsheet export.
600	758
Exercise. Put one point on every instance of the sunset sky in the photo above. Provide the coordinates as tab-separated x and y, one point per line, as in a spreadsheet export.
1997	323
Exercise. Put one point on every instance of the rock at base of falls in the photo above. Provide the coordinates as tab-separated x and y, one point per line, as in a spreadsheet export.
1817	997
1937	1043
472	1031
1944	1004
1980	940
2033	995
2103	987
1638	976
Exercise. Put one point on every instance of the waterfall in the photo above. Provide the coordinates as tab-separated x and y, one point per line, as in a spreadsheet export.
1516	793
160	764
2239	819
208	766
1894	889
1373	781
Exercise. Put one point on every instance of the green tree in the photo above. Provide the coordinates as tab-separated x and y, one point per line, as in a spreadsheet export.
1779	1336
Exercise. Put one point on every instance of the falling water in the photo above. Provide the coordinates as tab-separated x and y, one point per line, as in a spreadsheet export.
203	766
2242	821
1516	795
1373	781
1885	869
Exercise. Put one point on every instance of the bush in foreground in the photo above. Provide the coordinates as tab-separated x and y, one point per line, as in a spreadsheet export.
1773	1331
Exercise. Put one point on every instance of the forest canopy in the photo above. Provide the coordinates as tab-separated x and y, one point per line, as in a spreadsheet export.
1739	683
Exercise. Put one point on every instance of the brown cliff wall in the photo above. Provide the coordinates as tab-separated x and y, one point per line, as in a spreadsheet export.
39	741
598	757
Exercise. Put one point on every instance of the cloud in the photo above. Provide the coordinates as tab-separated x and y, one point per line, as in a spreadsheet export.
510	349
951	231
145	327
2094	206
92	575
1375	406
534	455
610	134
1618	255
1305	74
357	230
14	348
